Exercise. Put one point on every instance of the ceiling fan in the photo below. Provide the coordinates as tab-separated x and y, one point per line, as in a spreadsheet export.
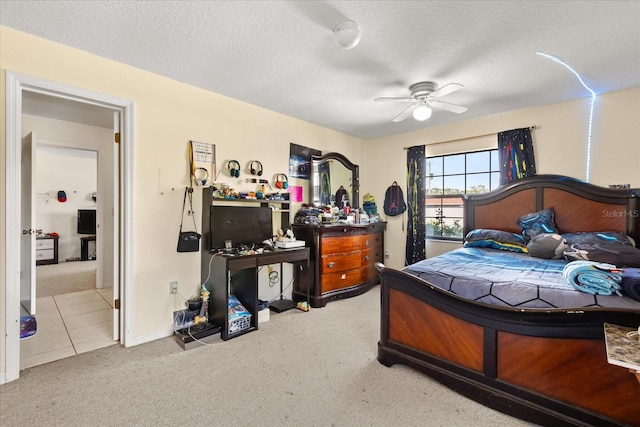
425	96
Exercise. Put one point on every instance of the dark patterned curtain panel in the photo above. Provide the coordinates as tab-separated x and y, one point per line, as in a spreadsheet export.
515	152
416	193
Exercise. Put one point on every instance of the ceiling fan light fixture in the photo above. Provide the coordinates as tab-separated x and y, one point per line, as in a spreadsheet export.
347	34
422	113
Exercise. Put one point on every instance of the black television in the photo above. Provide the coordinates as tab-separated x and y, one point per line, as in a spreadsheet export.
242	225
86	221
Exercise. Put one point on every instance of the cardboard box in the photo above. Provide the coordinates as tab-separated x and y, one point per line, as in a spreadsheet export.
263	315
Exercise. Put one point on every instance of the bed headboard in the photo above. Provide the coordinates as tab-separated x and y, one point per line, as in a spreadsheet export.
578	206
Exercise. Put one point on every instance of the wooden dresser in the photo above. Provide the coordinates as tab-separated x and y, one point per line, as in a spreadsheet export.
342	261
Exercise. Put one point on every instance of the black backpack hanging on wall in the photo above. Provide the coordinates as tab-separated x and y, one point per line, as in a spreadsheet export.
394	200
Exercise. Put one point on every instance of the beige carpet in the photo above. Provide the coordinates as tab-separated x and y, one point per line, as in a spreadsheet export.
65	277
299	369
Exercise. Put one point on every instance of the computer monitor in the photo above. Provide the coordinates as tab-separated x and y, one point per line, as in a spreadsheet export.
242	225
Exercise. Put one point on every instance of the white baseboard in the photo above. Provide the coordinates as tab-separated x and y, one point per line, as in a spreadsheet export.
150	337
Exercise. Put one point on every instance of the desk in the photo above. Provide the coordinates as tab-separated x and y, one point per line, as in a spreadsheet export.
238	275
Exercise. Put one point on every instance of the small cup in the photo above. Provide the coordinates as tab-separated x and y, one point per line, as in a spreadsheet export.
228	244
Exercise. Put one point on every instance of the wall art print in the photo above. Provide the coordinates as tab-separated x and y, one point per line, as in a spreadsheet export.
300	160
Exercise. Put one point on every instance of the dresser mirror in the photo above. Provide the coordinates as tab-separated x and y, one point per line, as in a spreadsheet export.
333	175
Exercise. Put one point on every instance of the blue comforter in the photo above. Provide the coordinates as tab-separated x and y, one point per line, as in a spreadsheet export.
509	279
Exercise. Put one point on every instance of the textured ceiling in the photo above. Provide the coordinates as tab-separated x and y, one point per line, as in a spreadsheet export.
281	55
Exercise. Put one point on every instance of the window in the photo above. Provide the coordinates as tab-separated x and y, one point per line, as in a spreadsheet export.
448	178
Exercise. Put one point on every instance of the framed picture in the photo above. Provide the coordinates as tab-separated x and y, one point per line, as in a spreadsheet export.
300	161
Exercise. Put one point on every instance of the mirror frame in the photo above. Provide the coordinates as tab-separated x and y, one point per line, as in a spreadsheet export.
355	176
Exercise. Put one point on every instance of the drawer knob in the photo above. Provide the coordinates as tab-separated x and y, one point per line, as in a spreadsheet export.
366	258
366	243
331	265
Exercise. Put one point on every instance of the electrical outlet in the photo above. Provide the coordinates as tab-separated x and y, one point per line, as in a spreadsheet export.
173	287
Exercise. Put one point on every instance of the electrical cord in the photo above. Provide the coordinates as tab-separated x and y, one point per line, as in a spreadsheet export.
283	291
196	339
181	317
273	278
209	268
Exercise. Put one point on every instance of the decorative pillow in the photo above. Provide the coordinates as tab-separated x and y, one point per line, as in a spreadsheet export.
537	222
616	253
598	237
547	246
496	239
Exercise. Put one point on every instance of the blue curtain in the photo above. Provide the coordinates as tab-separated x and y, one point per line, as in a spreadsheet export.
416	193
515	153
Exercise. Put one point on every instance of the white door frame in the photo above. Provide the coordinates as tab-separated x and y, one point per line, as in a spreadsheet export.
16	84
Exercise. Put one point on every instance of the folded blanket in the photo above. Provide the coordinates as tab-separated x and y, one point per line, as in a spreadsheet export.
631	282
593	277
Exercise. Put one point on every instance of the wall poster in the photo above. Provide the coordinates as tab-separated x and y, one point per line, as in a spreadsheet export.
202	162
300	161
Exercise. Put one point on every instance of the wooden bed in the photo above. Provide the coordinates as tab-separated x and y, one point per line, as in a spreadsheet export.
544	366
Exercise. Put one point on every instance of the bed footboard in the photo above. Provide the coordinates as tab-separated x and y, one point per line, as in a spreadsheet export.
547	367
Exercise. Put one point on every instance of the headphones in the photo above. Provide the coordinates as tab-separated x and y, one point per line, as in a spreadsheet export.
201	178
284	183
253	170
234	168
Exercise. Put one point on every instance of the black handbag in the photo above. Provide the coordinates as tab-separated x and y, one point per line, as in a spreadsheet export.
188	241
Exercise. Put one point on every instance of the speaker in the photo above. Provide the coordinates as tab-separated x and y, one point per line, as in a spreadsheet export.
282	181
254	170
234	168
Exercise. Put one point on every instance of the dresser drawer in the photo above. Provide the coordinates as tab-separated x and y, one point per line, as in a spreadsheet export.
342	262
371	256
342	244
44	254
345	279
44	244
371	241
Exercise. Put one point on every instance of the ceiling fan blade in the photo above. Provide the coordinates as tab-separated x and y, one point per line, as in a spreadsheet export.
405	113
445	90
394	99
447	106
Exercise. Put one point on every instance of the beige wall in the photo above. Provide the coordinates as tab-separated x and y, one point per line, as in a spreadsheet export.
560	140
168	114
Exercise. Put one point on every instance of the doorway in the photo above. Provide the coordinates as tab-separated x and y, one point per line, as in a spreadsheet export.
73	292
122	113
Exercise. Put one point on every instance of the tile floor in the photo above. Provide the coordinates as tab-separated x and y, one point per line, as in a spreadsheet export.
69	324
